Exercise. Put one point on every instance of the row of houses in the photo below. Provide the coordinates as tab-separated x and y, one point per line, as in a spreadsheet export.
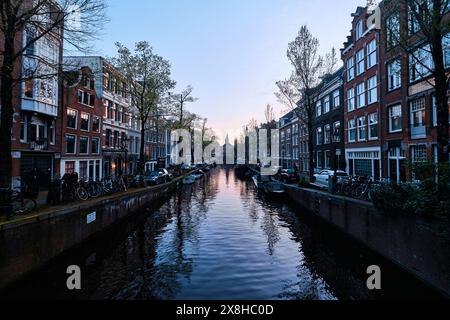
77	118
374	115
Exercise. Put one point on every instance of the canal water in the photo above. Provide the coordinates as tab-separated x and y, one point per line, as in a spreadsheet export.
220	239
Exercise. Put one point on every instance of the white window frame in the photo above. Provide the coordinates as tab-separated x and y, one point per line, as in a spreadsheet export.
362	126
352	128
327	106
373	121
372	58
350	69
360	65
394	73
336	99
351	104
372	90
390	114
74	145
361	95
88	144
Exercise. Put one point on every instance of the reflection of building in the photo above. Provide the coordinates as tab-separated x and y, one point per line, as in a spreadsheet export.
328	124
362	108
81	124
35	143
120	125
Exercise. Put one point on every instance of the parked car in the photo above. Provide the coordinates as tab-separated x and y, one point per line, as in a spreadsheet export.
155	177
289	176
186	167
168	176
323	177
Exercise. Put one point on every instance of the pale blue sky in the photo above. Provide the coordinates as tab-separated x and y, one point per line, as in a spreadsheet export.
231	51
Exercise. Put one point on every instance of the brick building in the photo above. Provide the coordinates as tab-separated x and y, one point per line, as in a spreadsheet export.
329	123
35	142
289	141
81	123
362	76
410	120
120	124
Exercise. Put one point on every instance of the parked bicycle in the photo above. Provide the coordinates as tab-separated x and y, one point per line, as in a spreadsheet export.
23	199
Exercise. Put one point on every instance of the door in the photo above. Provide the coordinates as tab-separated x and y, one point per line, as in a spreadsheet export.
38	169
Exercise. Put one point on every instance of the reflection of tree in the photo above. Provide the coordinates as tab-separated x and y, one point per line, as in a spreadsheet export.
271	229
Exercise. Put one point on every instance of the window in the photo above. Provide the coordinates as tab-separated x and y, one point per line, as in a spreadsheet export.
360	62
392	31
422	11
86	98
373	126
336	99
109	110
372	54
351	100
359	30
83	169
95	147
108	138
418	112
85	121
319	136
352	130
84	145
327	105
394	70
362	129
116	139
420	63
29	88
327	134
96	124
337	132
350	69
52	133
446	48
361	95
70	167
372	93
419	153
72	118
318	108
117	115
395	118
23	129
71	144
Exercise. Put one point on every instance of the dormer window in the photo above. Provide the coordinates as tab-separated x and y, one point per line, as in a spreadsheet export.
359	30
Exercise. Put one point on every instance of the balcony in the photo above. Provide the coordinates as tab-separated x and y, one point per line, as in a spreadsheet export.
39	145
418	132
39	107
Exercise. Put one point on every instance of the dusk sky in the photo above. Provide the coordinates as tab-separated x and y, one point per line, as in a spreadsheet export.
231	51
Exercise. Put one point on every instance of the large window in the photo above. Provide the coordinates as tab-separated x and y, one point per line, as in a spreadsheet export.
318	108
372	91
95	147
394	70
359	29
337	131
421	63
350	69
419	153
392	31
372	54
395	118
86	98
360	62
336	99
84	145
361	95
85	121
72	118
108	141
327	134
362	129
352	130
326	104
71	144
96	124
70	167
351	100
373	126
319	136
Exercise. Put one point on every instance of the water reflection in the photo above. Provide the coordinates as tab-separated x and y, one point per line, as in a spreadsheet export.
218	239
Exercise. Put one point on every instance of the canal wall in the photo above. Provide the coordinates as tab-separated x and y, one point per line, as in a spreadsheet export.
33	241
416	245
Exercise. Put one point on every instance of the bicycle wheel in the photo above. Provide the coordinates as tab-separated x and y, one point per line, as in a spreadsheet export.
23	207
82	194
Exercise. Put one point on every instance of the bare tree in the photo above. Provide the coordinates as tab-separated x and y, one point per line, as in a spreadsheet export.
421	28
149	79
25	23
179	102
269	114
298	91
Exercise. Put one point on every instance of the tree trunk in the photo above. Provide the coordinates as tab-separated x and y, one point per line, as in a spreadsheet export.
141	163
7	111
